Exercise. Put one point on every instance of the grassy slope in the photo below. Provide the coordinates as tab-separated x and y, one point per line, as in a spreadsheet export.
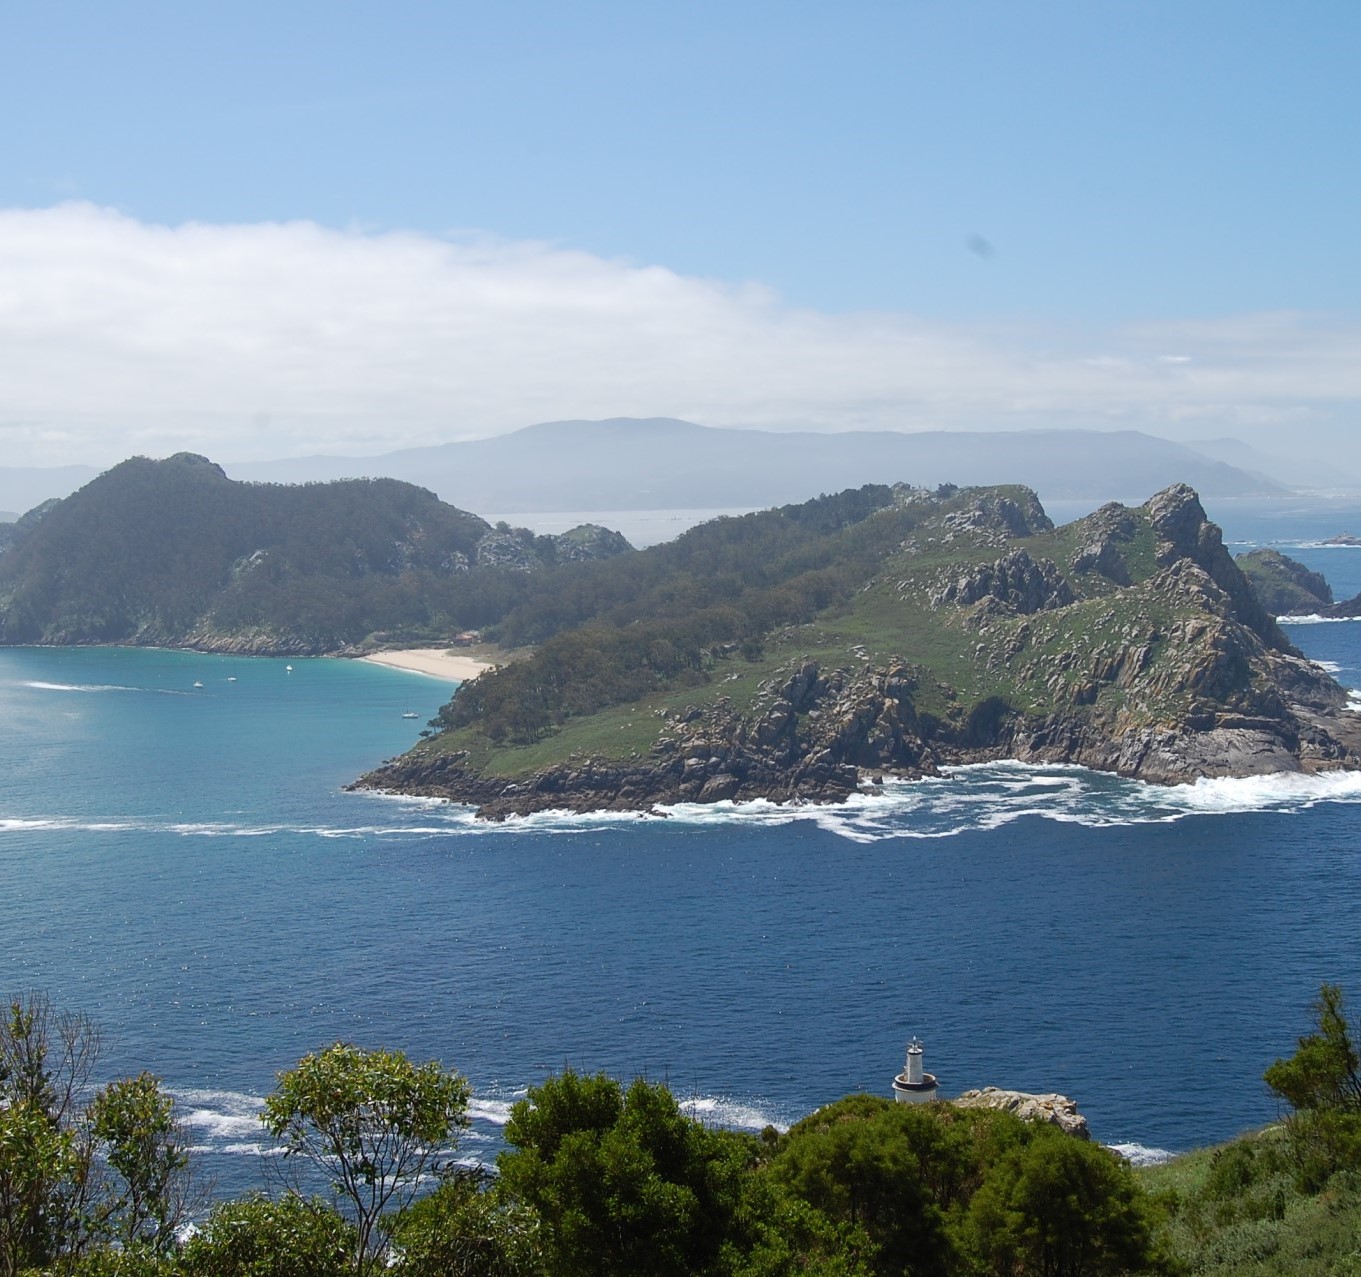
1235	1211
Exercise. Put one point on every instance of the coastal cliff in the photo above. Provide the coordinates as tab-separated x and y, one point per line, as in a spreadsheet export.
966	628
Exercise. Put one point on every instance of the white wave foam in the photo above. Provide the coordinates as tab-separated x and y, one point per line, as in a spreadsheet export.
221	1125
1313	618
78	687
987	796
1142	1154
1273	792
731	1114
221	1115
237	1150
977	797
43	686
495	1112
1328	667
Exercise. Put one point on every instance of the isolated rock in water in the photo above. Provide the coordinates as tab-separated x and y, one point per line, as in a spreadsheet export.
1057	1110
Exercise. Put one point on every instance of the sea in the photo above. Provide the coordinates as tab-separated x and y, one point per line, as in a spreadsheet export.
181	861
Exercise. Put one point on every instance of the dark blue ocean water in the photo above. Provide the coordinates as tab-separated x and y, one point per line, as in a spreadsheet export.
181	862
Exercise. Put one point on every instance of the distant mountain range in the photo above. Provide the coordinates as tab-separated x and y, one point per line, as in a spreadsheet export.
1297	471
660	463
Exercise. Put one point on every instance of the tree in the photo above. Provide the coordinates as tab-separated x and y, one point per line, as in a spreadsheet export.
291	1236
46	1061
1060	1207
133	1120
466	1228
1325	1071
1322	1083
885	1169
623	1182
374	1122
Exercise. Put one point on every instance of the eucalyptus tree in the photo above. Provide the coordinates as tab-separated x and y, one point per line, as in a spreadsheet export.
374	1123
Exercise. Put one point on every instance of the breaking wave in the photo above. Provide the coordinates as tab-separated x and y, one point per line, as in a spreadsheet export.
1313	618
227	1123
1142	1154
731	1114
222	1122
980	796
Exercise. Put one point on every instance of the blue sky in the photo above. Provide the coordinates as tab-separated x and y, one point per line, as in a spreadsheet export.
1105	213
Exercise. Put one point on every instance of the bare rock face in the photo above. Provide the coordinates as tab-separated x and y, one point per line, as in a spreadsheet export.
999	517
1107	529
1185	533
501	548
1016	582
1056	1110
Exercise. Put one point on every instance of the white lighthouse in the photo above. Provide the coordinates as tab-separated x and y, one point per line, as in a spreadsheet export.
912	1085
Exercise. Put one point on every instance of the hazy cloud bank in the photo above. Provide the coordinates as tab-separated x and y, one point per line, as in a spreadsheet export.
282	339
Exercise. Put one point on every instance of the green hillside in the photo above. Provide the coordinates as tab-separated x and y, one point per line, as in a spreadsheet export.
173	552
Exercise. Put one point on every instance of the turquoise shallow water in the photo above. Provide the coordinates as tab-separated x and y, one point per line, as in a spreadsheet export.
182	863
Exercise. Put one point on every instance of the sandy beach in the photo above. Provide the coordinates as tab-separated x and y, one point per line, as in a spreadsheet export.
434	661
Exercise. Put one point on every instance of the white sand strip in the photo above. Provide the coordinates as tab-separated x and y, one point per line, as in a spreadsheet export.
434	661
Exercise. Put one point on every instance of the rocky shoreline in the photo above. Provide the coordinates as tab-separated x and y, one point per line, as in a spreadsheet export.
823	736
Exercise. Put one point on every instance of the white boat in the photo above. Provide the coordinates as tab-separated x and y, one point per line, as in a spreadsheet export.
411	713
197	683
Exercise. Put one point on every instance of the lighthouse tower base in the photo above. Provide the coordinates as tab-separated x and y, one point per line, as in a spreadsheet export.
906	1092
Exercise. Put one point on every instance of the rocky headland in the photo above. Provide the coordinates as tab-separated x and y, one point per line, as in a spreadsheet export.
1129	642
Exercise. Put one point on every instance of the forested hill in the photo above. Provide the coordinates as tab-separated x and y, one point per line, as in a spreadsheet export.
788	654
173	552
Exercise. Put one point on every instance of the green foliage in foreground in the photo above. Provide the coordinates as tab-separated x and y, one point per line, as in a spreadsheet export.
602	1180
622	1182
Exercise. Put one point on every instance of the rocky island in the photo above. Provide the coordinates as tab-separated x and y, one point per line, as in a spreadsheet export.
800	653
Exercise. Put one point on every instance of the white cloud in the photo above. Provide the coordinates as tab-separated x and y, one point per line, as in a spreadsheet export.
281	339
